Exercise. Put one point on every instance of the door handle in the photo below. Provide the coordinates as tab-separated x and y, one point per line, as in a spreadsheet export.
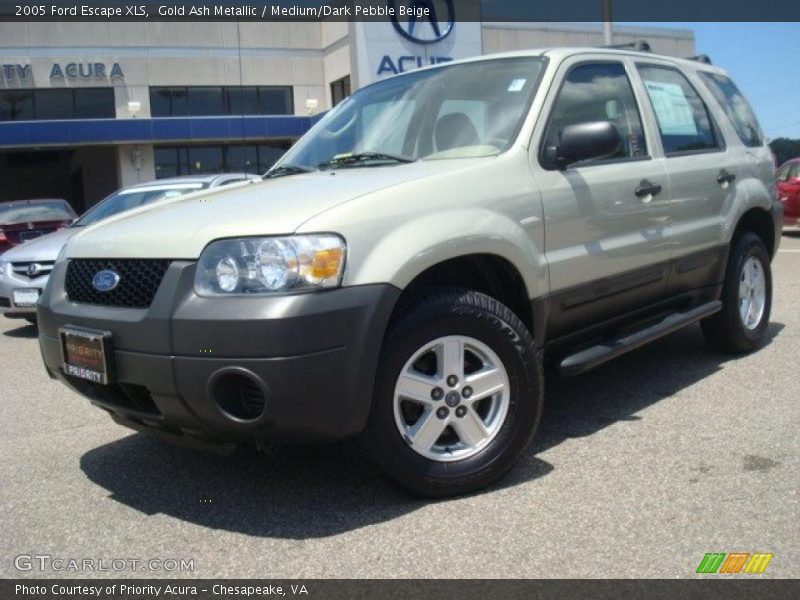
646	190
725	177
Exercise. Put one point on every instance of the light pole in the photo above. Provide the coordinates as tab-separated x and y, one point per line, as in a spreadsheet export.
608	32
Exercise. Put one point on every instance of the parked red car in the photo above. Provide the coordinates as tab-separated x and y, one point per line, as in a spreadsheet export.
789	192
23	220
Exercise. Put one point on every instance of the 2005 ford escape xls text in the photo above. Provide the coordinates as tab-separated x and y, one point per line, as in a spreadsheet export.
402	272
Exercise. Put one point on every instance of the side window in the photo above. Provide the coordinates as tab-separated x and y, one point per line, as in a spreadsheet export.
735	106
599	92
683	119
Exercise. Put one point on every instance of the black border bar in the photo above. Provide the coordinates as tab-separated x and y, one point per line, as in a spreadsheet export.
375	10
728	588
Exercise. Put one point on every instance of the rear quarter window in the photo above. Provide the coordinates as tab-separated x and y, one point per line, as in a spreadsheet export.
736	107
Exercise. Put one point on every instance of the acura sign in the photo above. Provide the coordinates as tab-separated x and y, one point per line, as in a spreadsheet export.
413	28
416	33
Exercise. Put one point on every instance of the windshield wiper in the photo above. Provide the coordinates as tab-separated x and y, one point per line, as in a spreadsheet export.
346	160
283	170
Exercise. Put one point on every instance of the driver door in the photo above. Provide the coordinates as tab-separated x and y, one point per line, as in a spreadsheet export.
604	218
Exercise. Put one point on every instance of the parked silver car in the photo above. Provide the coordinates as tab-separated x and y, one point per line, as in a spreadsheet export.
24	269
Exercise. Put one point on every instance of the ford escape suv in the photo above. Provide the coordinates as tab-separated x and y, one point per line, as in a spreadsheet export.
405	268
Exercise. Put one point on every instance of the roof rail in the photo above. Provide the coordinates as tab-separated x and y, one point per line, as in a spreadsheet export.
638	45
703	58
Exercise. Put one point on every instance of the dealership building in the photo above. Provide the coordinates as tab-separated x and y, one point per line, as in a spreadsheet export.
86	108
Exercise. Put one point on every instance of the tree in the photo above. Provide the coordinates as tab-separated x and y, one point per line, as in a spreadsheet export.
784	149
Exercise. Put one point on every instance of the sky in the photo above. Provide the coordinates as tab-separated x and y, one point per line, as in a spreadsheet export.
764	61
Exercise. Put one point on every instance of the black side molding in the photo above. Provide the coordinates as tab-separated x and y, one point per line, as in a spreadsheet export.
578	363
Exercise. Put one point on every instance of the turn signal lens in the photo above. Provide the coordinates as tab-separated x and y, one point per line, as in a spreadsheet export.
327	263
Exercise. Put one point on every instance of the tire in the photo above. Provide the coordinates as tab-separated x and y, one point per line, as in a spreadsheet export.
493	343
727	331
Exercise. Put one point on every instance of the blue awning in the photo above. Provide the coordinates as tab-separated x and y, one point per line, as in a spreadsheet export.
152	131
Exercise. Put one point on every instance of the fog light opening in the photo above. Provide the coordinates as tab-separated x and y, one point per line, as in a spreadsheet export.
239	396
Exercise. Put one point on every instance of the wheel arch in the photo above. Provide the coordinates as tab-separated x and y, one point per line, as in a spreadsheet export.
487	273
760	222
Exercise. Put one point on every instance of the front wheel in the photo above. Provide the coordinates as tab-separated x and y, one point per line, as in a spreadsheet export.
746	299
458	394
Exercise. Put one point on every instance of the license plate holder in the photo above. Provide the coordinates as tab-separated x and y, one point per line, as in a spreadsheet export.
26	236
86	353
26	297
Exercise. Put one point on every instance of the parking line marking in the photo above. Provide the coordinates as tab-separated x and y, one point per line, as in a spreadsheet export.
792	250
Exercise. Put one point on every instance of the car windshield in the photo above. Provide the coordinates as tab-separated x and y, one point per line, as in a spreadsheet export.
18	212
459	111
129	199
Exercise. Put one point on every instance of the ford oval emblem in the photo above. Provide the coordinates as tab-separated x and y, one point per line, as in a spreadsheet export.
105	280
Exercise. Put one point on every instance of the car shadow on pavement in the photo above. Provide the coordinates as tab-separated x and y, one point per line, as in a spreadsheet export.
301	492
26	330
297	492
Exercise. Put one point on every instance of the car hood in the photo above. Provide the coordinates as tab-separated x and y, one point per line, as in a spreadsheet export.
41	249
183	227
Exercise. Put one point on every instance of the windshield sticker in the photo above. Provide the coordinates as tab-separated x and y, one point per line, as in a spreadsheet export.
517	85
672	108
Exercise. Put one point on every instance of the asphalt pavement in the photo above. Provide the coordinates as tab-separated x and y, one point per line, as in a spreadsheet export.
639	469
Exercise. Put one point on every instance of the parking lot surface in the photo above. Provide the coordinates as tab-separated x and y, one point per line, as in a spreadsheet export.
639	469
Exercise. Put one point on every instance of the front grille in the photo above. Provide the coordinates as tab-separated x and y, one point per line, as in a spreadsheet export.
40	268
138	281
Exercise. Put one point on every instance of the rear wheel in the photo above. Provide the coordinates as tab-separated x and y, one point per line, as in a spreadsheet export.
746	299
458	395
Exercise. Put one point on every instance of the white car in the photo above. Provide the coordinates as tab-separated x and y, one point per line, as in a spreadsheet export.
24	269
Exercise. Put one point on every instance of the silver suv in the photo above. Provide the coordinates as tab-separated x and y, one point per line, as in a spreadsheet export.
406	267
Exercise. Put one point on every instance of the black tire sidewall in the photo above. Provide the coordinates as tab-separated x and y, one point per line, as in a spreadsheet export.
749	245
511	342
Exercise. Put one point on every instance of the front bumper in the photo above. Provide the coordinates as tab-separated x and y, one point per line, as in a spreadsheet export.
10	282
313	357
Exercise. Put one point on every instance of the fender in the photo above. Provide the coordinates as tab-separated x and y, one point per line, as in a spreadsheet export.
408	250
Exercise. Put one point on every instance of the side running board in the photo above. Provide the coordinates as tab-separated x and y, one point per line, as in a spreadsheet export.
578	363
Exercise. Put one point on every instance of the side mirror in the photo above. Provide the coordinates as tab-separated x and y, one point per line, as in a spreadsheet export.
584	141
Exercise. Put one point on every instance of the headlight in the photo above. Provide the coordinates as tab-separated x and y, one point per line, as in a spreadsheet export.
264	265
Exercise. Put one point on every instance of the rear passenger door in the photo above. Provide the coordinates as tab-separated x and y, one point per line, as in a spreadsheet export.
604	237
702	170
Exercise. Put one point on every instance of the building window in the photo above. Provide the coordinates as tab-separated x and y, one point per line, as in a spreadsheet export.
57	103
203	101
242	100
172	161
94	103
340	89
16	105
218	100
